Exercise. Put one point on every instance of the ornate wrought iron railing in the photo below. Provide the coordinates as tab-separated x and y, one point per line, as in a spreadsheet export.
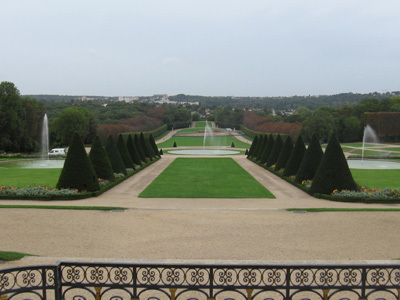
84	281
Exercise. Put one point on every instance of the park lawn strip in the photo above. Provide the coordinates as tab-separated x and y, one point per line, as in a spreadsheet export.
102	208
17	177
342	209
205	178
377	178
10	256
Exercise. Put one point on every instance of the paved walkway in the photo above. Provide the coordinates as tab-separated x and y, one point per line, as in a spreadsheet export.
227	229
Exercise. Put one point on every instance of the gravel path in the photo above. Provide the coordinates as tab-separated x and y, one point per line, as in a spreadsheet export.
217	229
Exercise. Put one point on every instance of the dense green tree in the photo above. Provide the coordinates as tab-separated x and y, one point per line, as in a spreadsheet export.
145	147
115	157
267	150
276	150
253	146
78	172
311	161
261	146
351	129
100	161
123	150
133	151
139	148
295	159
285	154
73	120
333	172
321	123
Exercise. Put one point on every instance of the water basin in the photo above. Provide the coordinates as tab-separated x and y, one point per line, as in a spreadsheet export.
204	152
373	164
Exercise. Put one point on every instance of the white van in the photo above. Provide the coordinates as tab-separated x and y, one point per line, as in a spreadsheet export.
57	152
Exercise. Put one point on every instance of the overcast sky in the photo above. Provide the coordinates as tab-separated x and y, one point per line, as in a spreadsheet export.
207	47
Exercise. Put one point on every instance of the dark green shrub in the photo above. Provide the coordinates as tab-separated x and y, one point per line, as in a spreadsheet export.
263	140
100	161
285	154
115	157
295	159
149	147
253	146
161	152
247	152
175	145
139	148
78	172
233	145
333	172
145	147
154	145
268	149
311	161
276	150
126	158
130	145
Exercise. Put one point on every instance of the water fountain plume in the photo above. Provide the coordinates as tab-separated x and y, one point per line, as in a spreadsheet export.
207	131
44	144
369	136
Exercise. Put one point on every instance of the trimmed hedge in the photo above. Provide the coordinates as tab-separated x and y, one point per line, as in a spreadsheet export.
295	159
312	158
133	151
253	146
284	155
267	150
126	158
78	172
100	161
139	148
252	133
276	150
115	157
155	133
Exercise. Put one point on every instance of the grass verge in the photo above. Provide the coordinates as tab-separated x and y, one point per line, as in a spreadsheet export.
103	208
10	256
205	178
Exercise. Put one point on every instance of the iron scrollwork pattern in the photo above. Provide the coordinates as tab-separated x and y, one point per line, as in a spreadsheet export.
84	281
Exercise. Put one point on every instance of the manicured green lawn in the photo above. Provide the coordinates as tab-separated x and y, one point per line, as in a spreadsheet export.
359	145
205	178
198	142
29	177
202	124
370	153
377	178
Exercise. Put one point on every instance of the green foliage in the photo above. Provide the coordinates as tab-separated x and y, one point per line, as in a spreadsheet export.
74	120
321	123
260	146
295	159
115	157
139	148
78	172
133	151
253	146
284	155
11	256
233	145
161	152
228	117
145	147
333	172
126	158
177	117
311	161
276	150
267	150
174	145
153	145
36	191
100	161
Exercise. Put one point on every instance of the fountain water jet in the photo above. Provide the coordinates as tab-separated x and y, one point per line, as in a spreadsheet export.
207	130
369	136
44	145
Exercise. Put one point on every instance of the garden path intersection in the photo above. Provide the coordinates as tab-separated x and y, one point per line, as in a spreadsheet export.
200	229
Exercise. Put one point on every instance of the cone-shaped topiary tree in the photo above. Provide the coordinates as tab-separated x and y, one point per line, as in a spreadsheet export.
126	158
154	145
78	172
285	154
333	172
260	147
115	157
100	161
139	148
276	150
146	150
149	147
133	151
296	157
311	161
268	149
253	146
161	152
174	145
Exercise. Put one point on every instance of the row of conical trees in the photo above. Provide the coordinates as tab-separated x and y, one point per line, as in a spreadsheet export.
328	171
82	171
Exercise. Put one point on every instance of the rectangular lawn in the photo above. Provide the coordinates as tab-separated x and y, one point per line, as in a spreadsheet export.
377	178
205	178
29	177
183	141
